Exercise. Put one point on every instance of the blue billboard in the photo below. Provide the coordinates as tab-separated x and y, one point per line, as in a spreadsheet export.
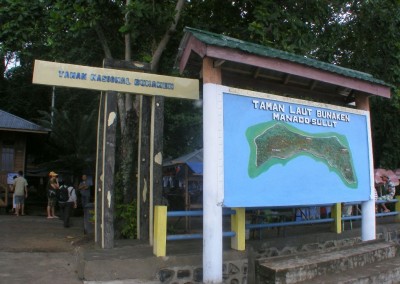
280	152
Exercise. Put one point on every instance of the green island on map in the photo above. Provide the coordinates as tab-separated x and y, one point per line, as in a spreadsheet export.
277	143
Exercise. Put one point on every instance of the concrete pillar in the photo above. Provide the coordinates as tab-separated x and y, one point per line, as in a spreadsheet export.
212	218
368	219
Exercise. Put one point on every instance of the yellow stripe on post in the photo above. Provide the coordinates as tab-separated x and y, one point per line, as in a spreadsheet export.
337	218
160	231
397	208
238	222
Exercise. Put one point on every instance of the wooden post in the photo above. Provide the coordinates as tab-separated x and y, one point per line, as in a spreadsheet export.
158	145
187	197
98	192
110	126
156	149
144	169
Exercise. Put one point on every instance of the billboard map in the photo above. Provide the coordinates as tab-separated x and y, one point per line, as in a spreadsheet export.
281	151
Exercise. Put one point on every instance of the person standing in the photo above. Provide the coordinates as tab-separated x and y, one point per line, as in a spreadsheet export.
52	187
84	189
14	206
20	193
67	202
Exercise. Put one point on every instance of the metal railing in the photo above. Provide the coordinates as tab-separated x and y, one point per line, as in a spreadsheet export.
239	224
195	213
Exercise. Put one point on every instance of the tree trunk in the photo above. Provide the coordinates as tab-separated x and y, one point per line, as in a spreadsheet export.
99	171
154	113
158	118
144	170
109	168
128	155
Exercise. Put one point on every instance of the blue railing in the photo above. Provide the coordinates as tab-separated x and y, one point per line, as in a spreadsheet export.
377	202
281	223
273	219
195	213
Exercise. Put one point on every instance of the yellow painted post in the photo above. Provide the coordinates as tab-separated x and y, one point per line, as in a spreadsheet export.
238	223
160	231
337	218
397	208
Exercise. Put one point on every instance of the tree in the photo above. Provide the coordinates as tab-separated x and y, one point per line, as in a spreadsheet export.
87	15
72	143
345	33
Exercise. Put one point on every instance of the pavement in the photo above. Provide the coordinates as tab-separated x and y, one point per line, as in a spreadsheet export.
34	249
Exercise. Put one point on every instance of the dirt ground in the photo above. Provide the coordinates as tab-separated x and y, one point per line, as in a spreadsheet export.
34	249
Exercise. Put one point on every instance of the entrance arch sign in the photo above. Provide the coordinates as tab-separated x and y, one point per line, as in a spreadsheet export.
103	79
112	81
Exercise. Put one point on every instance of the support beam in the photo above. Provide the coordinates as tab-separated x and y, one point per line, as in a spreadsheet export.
212	218
109	147
160	231
143	185
256	73
218	63
368	220
238	223
336	214
286	79
98	192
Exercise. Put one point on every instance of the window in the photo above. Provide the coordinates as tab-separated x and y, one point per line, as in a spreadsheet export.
7	156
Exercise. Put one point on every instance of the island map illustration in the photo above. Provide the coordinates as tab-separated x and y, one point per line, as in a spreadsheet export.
275	142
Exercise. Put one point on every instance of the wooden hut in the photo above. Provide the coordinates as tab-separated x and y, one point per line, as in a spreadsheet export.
183	181
15	134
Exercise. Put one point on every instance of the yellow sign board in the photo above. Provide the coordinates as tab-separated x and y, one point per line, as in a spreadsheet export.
103	79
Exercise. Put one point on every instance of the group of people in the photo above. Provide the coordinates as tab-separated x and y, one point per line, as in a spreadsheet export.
54	189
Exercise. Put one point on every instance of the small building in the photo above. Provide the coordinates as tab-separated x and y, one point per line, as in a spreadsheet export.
16	134
183	181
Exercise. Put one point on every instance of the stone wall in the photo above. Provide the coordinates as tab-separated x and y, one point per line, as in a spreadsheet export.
241	271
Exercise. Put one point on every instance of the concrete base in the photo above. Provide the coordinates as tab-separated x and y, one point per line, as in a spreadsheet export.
132	259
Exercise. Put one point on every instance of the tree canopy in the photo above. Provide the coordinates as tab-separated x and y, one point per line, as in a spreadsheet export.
361	35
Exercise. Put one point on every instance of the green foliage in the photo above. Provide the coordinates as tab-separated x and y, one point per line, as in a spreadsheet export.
22	24
183	127
72	142
362	35
229	18
125	213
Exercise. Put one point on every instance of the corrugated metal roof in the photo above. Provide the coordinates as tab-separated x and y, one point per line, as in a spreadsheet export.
194	157
9	121
252	48
194	160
